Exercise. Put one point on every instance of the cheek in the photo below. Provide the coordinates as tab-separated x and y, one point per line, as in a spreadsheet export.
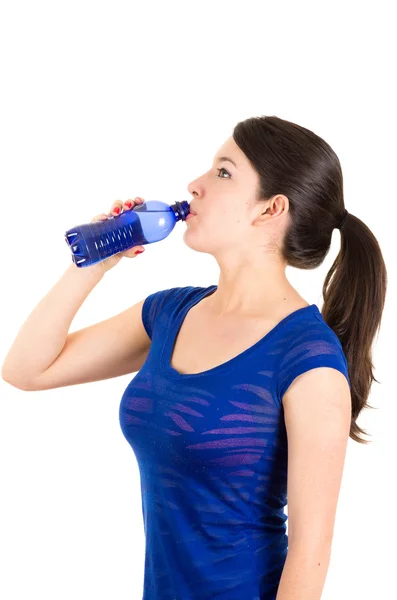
231	227
236	218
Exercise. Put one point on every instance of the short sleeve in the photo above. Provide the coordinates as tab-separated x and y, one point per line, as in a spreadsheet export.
151	309
308	350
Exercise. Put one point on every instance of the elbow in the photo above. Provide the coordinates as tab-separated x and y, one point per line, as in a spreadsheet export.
19	385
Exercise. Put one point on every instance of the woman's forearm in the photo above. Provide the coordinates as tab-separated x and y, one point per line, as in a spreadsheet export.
304	575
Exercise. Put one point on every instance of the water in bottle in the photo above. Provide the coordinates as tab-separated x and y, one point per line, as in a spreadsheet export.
146	223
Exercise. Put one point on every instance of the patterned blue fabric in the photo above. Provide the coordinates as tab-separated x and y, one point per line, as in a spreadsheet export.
211	448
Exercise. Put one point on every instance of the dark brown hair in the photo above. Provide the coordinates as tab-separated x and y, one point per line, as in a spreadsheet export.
293	161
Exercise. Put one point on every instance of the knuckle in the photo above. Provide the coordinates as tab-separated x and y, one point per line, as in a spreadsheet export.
117	203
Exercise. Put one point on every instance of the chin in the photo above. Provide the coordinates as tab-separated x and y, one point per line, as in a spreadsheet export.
195	244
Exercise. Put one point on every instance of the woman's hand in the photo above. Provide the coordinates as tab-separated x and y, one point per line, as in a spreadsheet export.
116	209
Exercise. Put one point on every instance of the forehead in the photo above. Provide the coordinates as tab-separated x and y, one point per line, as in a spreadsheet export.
229	149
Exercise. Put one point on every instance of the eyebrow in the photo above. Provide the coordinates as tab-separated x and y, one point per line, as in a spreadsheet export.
226	158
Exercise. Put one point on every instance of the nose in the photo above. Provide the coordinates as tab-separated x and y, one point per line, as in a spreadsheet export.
191	191
194	185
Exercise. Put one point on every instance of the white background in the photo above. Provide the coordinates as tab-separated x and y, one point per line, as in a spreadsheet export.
112	100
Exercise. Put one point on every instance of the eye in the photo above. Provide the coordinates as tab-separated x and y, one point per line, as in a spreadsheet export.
222	169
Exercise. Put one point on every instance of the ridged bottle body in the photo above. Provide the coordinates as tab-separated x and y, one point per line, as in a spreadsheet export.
146	223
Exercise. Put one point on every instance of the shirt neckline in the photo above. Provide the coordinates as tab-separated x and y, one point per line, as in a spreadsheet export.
176	325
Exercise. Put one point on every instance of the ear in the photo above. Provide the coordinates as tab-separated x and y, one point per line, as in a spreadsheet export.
270	210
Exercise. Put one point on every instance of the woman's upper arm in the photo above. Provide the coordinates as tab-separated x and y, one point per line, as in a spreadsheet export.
111	348
317	413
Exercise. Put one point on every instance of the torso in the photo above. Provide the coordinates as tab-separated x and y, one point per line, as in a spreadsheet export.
204	342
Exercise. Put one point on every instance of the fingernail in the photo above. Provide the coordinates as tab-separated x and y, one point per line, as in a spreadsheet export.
139	251
116	210
128	203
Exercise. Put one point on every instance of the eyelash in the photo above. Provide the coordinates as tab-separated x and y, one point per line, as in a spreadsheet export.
222	169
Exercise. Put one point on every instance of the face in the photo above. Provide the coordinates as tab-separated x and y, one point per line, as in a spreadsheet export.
224	200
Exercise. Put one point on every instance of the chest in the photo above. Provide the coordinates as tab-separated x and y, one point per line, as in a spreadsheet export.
203	343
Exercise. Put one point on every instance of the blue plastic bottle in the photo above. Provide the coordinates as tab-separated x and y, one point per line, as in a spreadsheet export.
144	224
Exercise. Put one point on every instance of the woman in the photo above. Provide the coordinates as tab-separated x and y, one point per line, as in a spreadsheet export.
244	390
231	408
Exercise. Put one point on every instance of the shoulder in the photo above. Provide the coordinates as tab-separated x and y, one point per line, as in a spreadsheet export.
309	344
159	297
162	305
172	296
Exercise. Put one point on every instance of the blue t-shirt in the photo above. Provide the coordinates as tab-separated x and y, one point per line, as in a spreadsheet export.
211	448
